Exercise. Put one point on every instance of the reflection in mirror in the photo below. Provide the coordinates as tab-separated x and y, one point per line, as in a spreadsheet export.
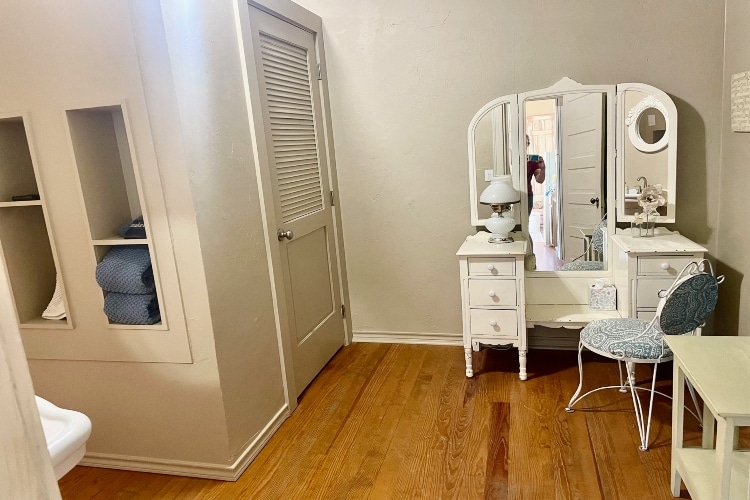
566	174
492	150
645	153
651	125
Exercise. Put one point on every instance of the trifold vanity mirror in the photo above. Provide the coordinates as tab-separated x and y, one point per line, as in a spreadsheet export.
588	151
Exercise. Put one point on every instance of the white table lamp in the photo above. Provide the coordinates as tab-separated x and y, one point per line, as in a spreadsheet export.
500	194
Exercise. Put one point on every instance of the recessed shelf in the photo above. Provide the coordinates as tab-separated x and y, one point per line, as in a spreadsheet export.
118	240
120	326
109	178
32	203
46	323
24	237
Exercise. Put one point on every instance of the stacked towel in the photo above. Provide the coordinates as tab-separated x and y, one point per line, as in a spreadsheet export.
126	269
132	309
128	277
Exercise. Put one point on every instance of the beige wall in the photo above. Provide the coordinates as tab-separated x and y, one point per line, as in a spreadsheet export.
205	56
186	100
406	79
733	314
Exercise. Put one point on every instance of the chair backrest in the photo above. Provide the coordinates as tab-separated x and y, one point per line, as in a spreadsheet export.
690	300
597	238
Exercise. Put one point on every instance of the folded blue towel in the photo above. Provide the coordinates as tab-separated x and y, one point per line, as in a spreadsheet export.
133	230
126	269
132	309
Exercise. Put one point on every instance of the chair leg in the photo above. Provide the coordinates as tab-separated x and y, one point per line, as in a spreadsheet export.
698	413
623	387
569	408
644	426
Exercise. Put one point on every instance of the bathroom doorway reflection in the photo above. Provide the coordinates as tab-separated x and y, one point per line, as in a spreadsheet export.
541	135
566	140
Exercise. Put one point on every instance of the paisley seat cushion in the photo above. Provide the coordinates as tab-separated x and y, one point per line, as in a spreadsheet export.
690	303
617	338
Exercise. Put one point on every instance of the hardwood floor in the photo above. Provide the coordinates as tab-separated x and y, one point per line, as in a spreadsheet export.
402	421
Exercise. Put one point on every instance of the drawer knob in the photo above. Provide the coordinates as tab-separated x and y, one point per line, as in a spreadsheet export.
665	265
490	267
491	293
493	323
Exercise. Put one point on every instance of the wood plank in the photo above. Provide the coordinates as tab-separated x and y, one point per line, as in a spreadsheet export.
403	421
496	484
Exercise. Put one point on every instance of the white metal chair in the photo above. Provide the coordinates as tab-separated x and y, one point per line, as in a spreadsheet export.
683	308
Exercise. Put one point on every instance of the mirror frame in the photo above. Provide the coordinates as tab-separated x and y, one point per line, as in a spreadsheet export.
634	118
512	101
658	99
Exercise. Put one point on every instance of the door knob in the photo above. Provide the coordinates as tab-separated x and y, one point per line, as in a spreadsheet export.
595	201
288	234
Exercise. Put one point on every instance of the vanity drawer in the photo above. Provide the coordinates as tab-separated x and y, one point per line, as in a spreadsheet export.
664	265
499	292
645	315
494	322
492	266
648	290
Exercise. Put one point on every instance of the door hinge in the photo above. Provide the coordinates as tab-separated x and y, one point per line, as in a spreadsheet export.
343	311
320	77
333	199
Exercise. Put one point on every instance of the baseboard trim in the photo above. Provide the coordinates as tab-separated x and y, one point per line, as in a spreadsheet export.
409	338
192	469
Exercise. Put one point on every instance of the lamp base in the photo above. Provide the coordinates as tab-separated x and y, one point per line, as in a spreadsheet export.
496	238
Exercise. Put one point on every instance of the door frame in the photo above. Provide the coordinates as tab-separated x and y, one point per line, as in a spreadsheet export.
306	20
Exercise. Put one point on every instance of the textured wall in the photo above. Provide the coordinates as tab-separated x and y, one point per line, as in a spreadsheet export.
733	315
406	79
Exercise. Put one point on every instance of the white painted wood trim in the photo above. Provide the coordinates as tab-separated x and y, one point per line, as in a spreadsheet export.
267	210
409	338
230	472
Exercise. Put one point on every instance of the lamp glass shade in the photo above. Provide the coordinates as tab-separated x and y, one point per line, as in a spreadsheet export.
500	191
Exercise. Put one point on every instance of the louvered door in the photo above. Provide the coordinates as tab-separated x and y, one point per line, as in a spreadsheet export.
287	70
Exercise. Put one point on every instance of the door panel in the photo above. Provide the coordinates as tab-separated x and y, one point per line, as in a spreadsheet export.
290	95
582	132
312	290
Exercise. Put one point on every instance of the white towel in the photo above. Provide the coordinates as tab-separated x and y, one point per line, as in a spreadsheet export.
56	307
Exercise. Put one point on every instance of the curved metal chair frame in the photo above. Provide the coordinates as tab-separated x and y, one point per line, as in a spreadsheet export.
597	245
689	272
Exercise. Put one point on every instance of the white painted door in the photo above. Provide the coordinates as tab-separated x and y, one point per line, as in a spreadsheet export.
290	95
583	197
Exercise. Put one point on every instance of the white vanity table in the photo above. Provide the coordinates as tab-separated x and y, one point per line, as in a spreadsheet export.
643	266
493	298
602	146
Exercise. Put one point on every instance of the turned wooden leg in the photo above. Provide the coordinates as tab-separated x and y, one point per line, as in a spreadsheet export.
469	369
522	364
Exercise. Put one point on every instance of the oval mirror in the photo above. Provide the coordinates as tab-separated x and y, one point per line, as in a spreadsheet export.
648	125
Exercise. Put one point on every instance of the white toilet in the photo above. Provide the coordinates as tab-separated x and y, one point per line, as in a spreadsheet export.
66	432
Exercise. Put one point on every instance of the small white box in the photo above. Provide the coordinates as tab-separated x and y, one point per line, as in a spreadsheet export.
602	298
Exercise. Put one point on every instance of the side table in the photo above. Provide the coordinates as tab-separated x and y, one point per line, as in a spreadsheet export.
719	369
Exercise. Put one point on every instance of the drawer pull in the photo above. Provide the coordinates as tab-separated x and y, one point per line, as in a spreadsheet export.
490	267
665	265
491	293
493	323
